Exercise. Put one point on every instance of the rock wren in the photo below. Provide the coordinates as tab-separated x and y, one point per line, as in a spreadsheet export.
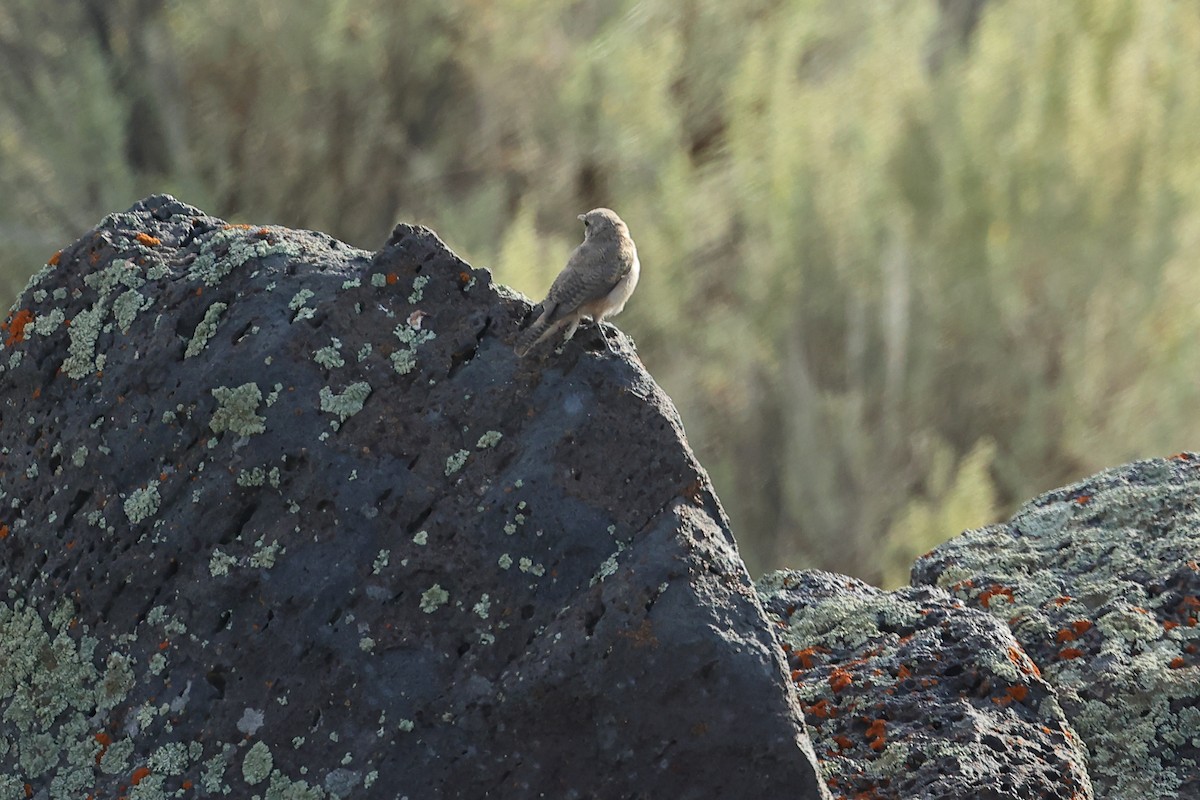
597	281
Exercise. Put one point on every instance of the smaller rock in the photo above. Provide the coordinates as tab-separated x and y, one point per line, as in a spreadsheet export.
910	695
1100	583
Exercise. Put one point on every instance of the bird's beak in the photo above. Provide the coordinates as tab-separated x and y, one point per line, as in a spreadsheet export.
580	217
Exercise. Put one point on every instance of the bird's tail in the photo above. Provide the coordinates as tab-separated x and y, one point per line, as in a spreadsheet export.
541	329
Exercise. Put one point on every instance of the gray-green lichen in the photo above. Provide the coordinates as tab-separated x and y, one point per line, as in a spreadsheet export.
88	323
412	336
282	788
418	288
257	764
48	323
256	476
142	504
243	245
219	563
489	439
527	565
126	308
205	330
297	304
328	356
265	555
81	351
236	409
455	462
50	689
169	759
347	403
434	598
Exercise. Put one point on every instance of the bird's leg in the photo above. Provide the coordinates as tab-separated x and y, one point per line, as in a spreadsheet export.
571	330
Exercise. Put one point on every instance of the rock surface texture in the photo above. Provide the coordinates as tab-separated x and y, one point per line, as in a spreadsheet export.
1100	583
281	518
909	695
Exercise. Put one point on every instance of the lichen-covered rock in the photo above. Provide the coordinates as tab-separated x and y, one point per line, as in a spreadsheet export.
283	518
1100	583
909	695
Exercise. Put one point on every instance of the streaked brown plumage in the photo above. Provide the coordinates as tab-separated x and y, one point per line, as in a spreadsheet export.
597	281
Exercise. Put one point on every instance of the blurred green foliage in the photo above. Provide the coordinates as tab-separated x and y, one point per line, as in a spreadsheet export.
901	271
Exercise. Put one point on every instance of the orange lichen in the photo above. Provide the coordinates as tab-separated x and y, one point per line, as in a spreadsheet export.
839	679
186	785
995	590
392	278
238	227
1017	693
1190	601
54	259
904	673
876	735
1023	662
138	775
1081	626
148	240
843	742
464	277
821	709
1083	499
3	531
264	232
1177	662
1062	600
806	656
105	740
1069	652
16	326
1180	457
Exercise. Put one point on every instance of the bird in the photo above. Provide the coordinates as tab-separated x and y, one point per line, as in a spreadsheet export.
597	281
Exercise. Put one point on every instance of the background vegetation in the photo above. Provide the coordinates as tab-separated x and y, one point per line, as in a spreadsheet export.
906	263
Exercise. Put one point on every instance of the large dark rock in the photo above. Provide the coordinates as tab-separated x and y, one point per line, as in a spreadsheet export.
911	696
286	519
1100	583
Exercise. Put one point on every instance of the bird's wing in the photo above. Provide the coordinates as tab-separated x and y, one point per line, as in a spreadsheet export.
591	273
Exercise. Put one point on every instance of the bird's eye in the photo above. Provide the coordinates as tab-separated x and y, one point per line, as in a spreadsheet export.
587	222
